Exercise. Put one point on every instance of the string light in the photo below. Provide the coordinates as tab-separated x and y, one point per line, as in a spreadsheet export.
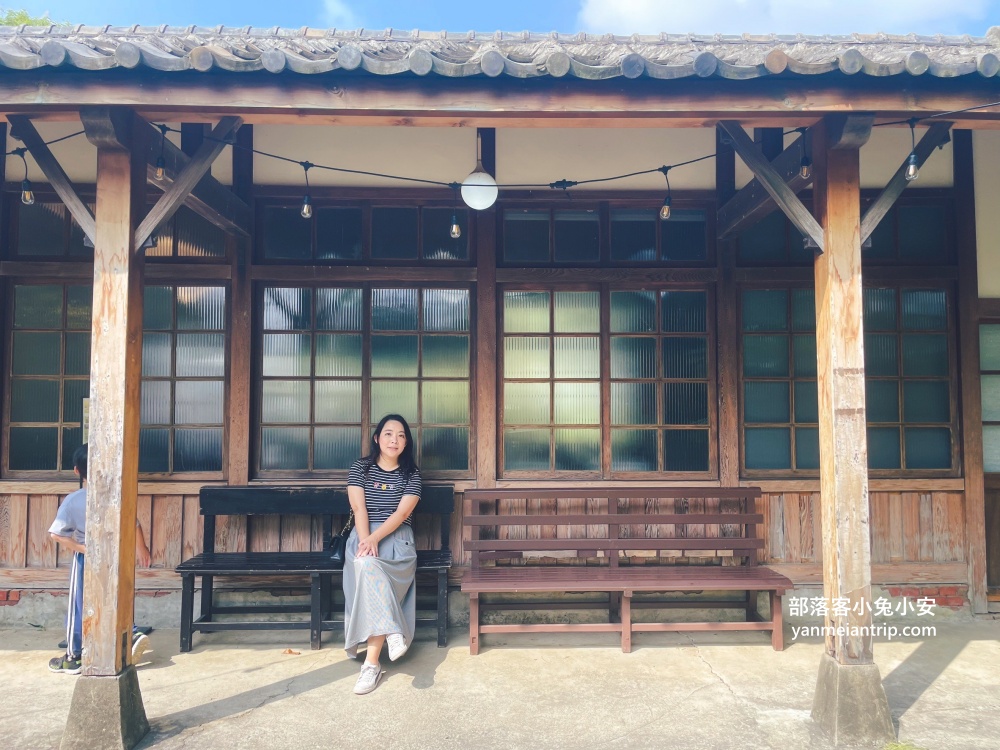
665	208
479	189
27	194
912	166
455	230
161	166
805	165
307	209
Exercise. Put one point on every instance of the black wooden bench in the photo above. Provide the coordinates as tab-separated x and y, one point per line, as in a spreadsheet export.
621	544
327	503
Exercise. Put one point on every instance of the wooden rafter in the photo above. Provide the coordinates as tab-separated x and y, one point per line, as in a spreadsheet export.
54	173
936	135
773	182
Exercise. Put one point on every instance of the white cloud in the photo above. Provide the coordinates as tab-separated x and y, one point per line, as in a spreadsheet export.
338	14
783	16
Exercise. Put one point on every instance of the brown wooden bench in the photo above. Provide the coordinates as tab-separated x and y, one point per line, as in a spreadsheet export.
622	543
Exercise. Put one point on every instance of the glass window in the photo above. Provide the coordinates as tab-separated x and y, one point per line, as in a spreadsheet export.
46	230
989	364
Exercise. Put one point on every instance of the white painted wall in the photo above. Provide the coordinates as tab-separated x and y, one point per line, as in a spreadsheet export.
986	154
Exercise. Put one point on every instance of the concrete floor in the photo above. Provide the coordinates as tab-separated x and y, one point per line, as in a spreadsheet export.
698	692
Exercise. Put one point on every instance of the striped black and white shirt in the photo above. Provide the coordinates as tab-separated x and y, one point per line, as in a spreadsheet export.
383	489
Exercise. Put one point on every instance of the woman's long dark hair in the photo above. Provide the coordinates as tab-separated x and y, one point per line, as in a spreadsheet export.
407	465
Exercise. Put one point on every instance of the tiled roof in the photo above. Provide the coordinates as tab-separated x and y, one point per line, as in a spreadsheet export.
519	55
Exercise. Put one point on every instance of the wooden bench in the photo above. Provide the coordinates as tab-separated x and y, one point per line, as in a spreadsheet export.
326	503
621	547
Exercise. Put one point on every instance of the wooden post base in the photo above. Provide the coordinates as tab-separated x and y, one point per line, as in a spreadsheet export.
106	713
850	704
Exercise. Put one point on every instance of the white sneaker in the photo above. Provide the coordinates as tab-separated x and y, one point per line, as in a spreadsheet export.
397	645
140	643
368	679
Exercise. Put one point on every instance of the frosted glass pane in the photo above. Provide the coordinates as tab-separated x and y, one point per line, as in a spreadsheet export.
683	237
41	228
338	355
927	447
74	391
633	450
926	401
577	357
881	354
198	450
284	448
633	312
807	448
436	230
198	402
765	310
339	309
991	448
880	309
991	397
157	308
197	238
78	305
36	353
633	403
394	309
201	308
925	354
287	309
526	312
685	357
633	235
394	356
526	236
33	448
446	356
526	403
34	400
526	450
338	233
444	448
806	402
336	447
338	401
446	310
923	232
286	354
577	403
155	402
38	306
683	312
526	357
768	447
685	450
154	451
201	355
394	397
287	236
157	349
685	403
804	350
883	448
803	310
285	401
394	233
882	400
765	240
633	357
578	450
72	439
765	401
577	312
577	236
925	310
765	356
77	354
989	347
445	402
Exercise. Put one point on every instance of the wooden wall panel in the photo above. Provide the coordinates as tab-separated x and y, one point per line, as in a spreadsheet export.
13	526
911	525
144	514
41	550
296	531
879	526
231	534
168	531
265	534
193	528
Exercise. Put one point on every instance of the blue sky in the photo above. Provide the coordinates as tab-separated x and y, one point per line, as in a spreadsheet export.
618	16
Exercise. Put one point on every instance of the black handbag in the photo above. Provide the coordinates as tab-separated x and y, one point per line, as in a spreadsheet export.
338	544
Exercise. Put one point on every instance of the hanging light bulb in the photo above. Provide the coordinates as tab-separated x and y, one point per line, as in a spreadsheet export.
456	229
27	194
805	167
161	167
307	209
912	167
665	208
479	189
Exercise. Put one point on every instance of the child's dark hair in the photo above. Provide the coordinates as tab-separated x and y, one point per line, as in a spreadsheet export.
80	461
407	465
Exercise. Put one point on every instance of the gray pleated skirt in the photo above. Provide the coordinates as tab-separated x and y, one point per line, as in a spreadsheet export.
380	596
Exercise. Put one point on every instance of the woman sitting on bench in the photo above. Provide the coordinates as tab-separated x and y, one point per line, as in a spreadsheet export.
380	560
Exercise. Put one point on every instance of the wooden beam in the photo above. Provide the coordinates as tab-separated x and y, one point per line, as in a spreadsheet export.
192	136
487	302
727	306
23	129
753	202
773	183
968	333
182	185
936	135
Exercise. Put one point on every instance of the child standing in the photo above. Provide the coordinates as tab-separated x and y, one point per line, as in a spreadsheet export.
69	530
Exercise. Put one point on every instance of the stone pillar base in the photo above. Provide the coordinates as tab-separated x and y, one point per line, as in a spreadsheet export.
850	703
106	714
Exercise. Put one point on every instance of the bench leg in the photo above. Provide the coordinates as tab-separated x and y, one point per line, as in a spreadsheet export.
473	624
627	622
614	606
442	608
326	603
778	623
206	598
751	606
187	610
316	611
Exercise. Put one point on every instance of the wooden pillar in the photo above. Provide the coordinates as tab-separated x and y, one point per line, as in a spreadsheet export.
850	702
968	331
107	709
486	328
727	302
